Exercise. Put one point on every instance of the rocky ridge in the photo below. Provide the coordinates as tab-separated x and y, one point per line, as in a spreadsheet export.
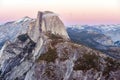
45	52
10	30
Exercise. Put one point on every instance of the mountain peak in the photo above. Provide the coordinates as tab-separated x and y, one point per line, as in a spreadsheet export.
42	53
48	22
24	19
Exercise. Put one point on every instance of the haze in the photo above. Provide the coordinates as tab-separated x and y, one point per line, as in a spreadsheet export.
70	11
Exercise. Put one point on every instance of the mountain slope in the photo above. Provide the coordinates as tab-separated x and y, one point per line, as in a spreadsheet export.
45	55
112	30
94	38
10	30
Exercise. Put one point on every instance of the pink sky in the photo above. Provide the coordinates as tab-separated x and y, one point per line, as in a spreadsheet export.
70	11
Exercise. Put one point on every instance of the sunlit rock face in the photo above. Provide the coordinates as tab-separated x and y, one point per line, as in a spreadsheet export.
46	53
51	22
47	22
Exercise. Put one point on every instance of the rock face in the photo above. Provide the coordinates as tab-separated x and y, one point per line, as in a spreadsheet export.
47	22
52	23
45	53
10	30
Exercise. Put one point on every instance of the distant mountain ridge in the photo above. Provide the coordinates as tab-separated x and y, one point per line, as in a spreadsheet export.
112	30
98	37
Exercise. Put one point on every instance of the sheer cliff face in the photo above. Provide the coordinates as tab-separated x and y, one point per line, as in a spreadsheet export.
52	23
45	53
47	22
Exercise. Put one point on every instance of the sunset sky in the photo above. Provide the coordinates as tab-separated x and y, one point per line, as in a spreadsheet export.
70	11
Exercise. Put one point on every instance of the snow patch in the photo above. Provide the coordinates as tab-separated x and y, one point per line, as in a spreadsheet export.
24	19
